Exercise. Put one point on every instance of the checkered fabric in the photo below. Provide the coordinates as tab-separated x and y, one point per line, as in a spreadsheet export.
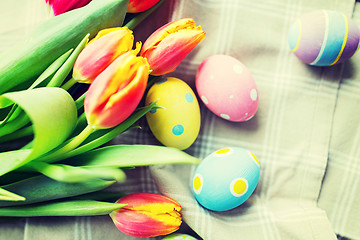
306	133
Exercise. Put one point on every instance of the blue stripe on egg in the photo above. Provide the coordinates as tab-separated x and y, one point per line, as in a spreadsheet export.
294	36
335	33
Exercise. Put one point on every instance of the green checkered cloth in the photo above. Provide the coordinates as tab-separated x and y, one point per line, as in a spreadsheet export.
306	133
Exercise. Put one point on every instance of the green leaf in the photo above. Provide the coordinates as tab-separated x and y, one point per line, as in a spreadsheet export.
66	173
14	125
132	155
65	208
51	69
41	188
53	115
16	111
65	69
103	136
6	195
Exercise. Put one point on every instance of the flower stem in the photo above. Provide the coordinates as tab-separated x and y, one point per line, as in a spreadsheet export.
69	84
71	145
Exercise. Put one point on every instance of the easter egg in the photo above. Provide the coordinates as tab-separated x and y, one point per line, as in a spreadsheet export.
227	88
177	123
323	38
226	178
179	236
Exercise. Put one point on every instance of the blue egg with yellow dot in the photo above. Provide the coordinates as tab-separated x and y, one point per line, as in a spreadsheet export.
177	123
226	178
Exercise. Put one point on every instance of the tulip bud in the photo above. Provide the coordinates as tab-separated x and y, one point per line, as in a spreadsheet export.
101	51
136	6
116	92
147	215
170	44
62	6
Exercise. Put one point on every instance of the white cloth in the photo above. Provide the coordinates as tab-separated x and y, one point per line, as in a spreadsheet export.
305	133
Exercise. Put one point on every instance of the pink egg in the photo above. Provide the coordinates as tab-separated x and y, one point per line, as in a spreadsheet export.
227	88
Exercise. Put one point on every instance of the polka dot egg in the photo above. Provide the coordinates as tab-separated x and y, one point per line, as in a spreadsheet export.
226	178
324	38
177	123
227	88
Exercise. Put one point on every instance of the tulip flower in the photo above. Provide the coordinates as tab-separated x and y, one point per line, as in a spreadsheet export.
147	215
116	92
108	44
136	6
62	6
170	44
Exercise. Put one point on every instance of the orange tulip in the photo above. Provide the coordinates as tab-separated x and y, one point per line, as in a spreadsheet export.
170	44
147	215
116	92
101	51
136	6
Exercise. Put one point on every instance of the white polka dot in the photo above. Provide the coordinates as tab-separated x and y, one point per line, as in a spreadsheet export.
253	94
237	69
225	116
204	99
246	114
231	96
249	118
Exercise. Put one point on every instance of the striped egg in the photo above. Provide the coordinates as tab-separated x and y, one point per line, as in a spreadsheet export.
324	38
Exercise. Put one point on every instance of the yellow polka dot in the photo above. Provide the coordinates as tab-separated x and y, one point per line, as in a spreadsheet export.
240	187
197	183
255	158
222	151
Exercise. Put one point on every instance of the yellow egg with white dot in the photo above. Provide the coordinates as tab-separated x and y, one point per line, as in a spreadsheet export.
177	123
226	178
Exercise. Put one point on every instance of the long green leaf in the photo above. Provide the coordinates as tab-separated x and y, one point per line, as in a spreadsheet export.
6	195
53	115
15	111
51	69
66	208
103	136
16	124
132	155
66	173
41	188
54	37
65	69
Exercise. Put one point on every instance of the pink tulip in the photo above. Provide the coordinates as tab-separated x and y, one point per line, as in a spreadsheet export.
147	215
136	6
170	44
108	44
116	92
62	6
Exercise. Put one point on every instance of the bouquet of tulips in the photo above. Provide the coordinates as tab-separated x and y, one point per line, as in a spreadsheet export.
62	166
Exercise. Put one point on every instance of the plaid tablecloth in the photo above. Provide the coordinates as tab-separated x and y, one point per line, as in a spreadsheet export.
306	133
